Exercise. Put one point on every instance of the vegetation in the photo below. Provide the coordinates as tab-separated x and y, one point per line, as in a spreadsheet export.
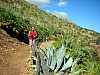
59	62
21	16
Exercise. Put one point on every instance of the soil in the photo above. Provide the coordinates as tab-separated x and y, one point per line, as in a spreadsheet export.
15	57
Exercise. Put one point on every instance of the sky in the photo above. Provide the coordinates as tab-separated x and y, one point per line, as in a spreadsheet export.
84	13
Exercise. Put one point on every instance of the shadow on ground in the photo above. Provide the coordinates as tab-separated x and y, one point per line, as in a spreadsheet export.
21	36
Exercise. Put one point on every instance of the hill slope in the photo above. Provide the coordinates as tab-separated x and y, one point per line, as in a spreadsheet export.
19	16
14	58
22	15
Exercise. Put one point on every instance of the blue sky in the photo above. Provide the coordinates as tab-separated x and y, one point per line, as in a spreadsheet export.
85	13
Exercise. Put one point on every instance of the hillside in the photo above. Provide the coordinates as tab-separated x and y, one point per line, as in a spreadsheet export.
22	15
18	16
14	57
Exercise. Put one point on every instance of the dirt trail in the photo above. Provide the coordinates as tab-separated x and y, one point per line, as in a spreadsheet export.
14	58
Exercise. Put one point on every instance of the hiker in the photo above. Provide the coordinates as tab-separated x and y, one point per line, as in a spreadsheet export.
32	36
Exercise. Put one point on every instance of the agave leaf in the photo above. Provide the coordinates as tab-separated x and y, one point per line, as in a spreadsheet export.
73	65
49	55
60	57
68	64
42	51
67	56
75	61
64	60
53	63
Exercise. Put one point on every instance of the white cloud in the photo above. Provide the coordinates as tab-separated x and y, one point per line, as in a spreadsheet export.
60	14
62	2
48	11
39	1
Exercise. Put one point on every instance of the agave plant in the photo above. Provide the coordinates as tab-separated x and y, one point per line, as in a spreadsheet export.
59	62
55	61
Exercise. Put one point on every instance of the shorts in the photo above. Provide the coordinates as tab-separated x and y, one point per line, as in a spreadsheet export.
31	42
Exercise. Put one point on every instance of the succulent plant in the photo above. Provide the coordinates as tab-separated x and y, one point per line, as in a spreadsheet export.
59	62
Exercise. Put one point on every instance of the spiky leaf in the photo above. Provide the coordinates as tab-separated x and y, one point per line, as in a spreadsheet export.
60	57
53	62
68	64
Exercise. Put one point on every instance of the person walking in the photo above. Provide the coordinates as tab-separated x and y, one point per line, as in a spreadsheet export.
32	35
